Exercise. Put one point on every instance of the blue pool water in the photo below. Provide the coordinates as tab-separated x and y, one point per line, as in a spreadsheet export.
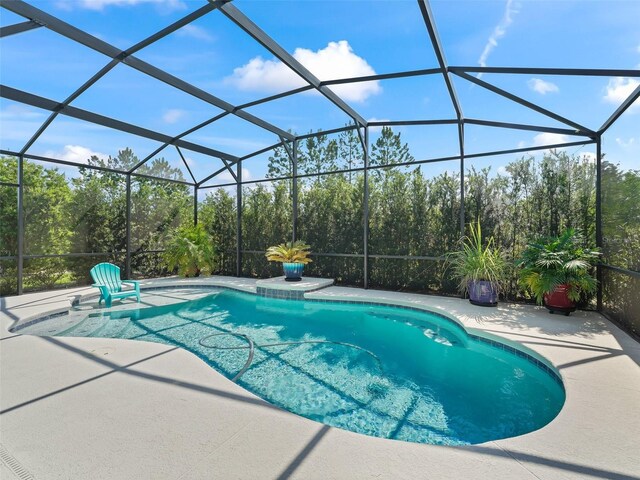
376	370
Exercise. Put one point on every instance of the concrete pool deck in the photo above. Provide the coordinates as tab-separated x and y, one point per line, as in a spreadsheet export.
91	408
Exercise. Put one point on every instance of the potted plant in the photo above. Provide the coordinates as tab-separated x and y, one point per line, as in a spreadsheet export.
191	250
480	268
558	271
293	256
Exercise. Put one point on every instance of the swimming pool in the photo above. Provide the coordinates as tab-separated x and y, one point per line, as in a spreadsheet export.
377	370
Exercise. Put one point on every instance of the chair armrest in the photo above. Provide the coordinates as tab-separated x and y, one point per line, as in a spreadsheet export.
104	290
135	283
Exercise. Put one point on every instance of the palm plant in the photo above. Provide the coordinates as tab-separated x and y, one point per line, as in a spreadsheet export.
478	261
191	250
554	261
289	252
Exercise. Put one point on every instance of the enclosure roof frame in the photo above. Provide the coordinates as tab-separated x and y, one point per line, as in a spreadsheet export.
36	18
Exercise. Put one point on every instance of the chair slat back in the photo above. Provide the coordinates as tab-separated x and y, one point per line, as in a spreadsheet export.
107	274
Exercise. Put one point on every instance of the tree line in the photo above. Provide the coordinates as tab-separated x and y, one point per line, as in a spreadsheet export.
413	211
86	214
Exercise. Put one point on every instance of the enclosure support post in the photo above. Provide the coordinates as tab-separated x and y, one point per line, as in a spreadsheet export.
599	215
462	212
20	222
127	266
294	191
239	219
195	205
365	207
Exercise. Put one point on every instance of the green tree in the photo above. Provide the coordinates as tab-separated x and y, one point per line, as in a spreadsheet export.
482	193
157	208
621	216
217	212
47	200
388	149
99	212
317	154
279	164
350	151
8	226
8	207
411	213
266	221
99	206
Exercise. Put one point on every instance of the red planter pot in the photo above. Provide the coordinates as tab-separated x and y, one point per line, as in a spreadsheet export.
558	300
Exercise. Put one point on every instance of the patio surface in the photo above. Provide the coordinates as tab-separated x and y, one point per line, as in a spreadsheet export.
91	408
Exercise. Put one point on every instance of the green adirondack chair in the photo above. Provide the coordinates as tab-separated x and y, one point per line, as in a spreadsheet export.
107	278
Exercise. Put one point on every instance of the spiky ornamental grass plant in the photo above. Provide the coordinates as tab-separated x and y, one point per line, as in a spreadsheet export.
476	261
553	261
191	250
289	252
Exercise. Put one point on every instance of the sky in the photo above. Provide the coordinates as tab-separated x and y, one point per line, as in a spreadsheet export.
333	39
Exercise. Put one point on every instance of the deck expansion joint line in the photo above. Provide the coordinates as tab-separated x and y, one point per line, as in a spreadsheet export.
517	460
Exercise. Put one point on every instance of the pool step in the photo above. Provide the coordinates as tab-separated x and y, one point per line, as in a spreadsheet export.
278	287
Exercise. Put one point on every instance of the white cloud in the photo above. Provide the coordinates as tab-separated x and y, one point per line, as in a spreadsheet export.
99	5
74	153
374	119
542	87
18	123
618	90
626	143
543	139
196	32
18	111
225	177
335	61
173	115
498	32
549	139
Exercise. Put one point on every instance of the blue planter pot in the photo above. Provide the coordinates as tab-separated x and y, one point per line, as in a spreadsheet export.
483	293
293	271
